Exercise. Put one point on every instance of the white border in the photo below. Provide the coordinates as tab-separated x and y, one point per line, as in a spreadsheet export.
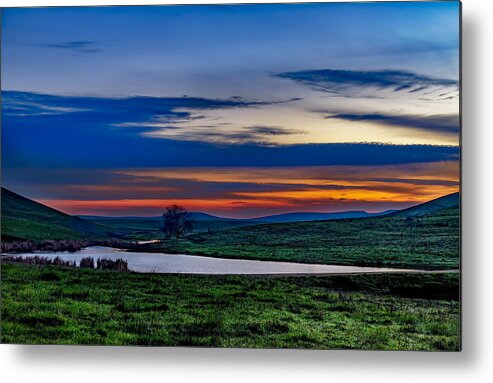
475	364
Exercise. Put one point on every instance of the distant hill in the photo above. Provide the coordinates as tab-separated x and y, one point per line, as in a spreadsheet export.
315	216
144	228
389	240
199	216
448	201
23	218
276	218
124	218
140	228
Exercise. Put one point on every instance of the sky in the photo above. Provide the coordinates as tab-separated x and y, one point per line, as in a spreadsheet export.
233	110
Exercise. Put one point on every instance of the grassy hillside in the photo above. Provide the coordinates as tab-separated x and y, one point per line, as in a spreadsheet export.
51	305
24	219
427	241
448	201
315	216
141	228
131	228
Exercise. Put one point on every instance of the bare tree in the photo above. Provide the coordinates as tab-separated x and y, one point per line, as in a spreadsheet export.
177	221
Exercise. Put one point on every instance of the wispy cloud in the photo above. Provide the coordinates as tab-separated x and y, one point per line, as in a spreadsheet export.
340	82
272	130
446	123
251	135
75	46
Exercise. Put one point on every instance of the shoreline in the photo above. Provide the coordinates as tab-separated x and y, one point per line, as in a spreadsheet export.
234	264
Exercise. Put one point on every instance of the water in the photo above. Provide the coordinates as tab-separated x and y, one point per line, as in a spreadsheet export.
191	264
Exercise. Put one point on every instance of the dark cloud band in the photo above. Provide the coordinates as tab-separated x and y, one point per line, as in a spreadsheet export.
340	81
74	46
126	111
447	123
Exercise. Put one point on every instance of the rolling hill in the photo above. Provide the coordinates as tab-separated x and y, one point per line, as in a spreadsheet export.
144	228
140	228
429	240
315	216
25	219
448	201
283	217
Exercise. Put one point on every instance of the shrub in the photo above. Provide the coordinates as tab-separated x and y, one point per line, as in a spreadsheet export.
87	262
37	260
118	265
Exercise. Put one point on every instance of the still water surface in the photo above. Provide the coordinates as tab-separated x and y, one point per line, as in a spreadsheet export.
192	264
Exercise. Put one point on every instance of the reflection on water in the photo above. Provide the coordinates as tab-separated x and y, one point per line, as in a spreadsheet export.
191	264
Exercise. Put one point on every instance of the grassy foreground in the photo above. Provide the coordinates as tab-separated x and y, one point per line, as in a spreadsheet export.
430	241
76	306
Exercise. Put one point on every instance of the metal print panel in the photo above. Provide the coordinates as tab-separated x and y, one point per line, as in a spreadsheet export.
265	176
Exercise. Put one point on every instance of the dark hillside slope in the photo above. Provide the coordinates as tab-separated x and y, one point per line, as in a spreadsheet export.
25	219
448	201
311	216
316	216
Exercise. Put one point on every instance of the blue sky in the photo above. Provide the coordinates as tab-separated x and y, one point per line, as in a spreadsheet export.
169	50
101	90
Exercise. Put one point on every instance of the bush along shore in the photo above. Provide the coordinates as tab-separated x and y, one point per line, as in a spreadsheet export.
87	263
58	245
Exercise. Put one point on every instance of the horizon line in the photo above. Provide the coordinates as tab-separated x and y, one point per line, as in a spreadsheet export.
225	217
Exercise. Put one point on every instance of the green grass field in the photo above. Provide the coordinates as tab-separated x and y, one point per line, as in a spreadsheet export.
430	241
75	306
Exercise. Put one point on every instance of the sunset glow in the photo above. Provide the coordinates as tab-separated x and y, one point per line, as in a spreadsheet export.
248	192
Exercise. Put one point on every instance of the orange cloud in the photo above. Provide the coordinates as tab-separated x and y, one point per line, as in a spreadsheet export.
407	193
308	175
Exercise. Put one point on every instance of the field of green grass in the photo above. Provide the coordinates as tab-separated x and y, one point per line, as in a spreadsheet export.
429	241
21	229
78	306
